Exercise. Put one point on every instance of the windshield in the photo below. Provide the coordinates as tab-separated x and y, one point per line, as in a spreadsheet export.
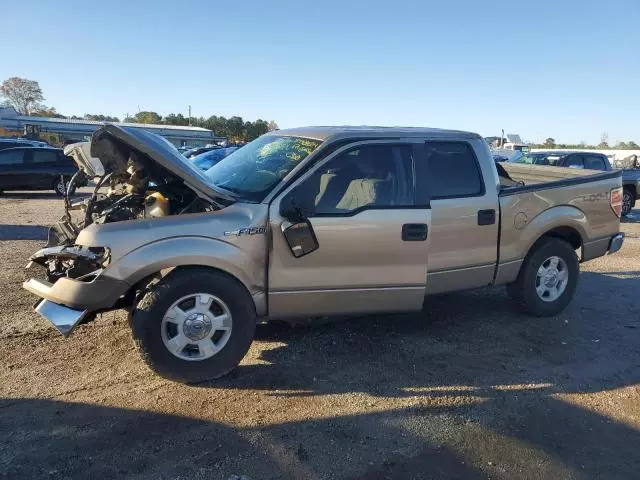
253	170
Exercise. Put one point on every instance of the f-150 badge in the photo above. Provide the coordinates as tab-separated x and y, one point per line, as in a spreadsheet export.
246	231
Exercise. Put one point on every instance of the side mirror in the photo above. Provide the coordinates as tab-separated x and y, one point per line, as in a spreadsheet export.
301	238
294	208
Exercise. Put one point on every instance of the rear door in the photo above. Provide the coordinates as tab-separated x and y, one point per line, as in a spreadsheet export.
44	168
372	236
464	215
12	166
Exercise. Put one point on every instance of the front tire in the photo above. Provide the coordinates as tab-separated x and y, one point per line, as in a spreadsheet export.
196	324
548	278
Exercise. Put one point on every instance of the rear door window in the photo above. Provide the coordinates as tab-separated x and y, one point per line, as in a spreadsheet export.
449	170
594	162
12	157
45	156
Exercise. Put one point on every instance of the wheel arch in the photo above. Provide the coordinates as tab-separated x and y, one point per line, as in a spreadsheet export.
150	262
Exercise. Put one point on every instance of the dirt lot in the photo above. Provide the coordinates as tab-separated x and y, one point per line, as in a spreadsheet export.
469	389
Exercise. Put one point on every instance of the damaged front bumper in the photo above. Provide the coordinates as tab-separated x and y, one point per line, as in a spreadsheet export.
68	302
63	318
77	286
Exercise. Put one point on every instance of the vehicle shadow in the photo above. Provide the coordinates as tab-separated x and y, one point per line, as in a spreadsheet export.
23	232
55	439
495	366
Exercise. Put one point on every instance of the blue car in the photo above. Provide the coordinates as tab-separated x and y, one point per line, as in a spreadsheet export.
206	160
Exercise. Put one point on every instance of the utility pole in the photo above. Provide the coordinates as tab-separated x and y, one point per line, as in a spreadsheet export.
189	115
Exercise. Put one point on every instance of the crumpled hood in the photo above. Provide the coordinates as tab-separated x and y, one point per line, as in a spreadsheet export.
112	145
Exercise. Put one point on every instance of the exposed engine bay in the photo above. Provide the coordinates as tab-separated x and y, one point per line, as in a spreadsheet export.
131	186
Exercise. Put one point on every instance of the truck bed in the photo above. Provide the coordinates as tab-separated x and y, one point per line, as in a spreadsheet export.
575	203
536	177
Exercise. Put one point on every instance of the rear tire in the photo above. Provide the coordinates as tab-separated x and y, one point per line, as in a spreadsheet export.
628	201
155	332
60	187
548	278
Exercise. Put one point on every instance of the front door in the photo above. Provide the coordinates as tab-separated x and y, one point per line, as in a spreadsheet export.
372	236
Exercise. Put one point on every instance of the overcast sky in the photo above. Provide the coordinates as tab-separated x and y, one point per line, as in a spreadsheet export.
568	69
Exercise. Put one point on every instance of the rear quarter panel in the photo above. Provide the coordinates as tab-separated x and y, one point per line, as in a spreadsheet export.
528	215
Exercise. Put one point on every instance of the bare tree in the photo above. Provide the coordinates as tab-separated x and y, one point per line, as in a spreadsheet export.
272	126
24	95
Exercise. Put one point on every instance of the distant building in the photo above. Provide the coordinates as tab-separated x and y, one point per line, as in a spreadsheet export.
80	130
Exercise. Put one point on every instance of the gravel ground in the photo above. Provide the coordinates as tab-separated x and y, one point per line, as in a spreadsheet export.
469	389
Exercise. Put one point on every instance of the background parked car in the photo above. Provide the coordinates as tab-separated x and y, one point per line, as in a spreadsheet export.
21	142
206	160
199	150
35	168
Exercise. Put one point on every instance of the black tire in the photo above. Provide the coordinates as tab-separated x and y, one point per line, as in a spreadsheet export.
628	201
523	290
59	186
146	320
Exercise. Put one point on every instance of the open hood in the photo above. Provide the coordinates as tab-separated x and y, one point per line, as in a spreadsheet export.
81	154
113	145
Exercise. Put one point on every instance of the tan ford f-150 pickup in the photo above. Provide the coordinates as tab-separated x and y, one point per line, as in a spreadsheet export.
310	222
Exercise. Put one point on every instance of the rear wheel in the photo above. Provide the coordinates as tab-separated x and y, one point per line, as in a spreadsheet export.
548	278
628	199
194	325
60	186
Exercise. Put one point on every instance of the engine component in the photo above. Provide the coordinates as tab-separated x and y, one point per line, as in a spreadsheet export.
156	205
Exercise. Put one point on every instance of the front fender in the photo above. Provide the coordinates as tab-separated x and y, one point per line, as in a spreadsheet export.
246	266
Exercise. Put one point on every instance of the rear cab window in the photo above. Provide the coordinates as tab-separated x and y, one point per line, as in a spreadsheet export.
595	162
448	170
574	161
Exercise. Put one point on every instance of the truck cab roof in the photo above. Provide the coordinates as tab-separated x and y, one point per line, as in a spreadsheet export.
324	133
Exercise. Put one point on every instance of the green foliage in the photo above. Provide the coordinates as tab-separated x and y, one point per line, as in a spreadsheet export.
49	112
100	118
22	94
146	117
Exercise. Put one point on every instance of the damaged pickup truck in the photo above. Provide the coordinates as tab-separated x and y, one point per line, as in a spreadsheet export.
310	222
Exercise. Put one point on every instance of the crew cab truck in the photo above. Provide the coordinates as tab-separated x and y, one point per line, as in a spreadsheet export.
314	222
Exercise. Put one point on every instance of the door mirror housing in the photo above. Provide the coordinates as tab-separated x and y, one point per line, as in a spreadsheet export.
295	208
301	238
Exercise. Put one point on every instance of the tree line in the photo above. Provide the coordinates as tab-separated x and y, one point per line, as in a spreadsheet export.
603	145
26	97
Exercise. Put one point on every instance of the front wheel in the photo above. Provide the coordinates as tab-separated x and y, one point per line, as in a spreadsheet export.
548	278
195	324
